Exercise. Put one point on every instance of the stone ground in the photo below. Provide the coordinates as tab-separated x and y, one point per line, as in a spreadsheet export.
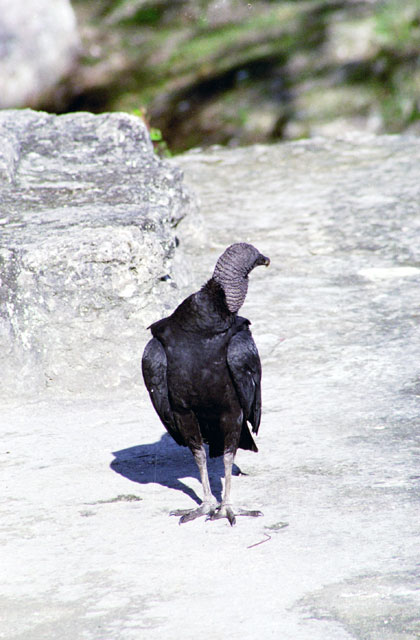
88	549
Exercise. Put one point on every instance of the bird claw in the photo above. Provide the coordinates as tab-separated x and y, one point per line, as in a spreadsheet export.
213	512
187	515
254	513
225	511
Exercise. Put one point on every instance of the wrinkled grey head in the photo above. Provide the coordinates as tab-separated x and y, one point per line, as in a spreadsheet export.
231	272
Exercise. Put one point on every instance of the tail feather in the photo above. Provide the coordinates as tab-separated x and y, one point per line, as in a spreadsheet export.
246	441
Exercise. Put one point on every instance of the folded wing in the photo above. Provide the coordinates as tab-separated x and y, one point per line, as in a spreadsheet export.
154	367
245	367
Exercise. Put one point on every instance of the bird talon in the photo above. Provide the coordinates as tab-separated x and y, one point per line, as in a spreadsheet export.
254	513
191	514
179	512
224	512
227	512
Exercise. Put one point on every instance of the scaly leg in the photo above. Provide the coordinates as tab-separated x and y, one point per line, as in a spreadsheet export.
208	506
225	510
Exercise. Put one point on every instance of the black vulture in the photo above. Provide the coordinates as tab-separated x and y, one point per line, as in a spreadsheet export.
203	374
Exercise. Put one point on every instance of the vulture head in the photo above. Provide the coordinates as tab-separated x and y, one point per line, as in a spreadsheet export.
232	269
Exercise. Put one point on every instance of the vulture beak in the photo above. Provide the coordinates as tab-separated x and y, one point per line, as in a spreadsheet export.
262	260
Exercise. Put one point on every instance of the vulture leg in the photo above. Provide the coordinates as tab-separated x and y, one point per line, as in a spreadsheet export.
208	506
225	510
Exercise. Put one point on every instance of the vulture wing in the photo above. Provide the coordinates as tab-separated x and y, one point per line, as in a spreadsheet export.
245	367
154	367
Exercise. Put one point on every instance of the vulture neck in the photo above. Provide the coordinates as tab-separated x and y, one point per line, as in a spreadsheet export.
210	311
215	294
234	284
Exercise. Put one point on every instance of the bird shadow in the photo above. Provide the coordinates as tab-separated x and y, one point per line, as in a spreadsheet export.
166	463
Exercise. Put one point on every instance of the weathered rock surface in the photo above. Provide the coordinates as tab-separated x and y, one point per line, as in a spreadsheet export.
39	43
89	484
87	220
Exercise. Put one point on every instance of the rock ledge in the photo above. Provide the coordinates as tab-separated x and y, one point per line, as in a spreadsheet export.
87	222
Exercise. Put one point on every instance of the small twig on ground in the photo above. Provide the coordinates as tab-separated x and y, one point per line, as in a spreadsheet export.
267	538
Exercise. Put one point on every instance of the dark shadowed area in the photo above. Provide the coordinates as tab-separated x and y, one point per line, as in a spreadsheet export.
165	463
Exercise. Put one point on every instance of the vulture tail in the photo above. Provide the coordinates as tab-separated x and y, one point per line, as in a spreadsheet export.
246	441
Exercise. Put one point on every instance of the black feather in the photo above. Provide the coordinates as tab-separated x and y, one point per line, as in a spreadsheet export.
154	367
203	374
245	366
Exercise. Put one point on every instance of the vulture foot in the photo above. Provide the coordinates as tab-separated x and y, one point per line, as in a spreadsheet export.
225	511
205	509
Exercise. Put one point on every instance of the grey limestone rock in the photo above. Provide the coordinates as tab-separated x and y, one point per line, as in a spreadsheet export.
39	44
87	218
